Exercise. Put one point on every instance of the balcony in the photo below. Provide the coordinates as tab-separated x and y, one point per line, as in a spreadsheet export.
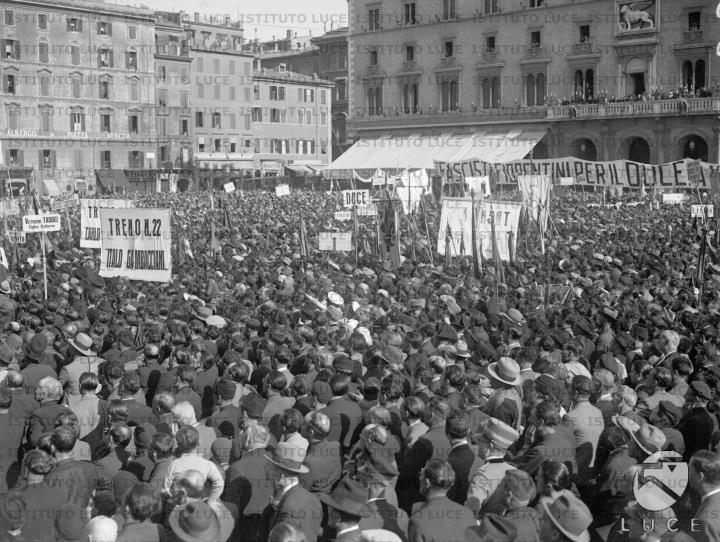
448	62
584	48
649	108
374	70
410	66
490	56
535	51
692	36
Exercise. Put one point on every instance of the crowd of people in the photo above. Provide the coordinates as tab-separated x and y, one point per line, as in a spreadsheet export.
270	393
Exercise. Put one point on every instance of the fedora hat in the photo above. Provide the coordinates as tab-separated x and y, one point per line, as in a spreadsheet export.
462	349
349	497
35	349
202	313
288	457
513	316
5	287
82	343
336	299
500	434
566	265
199	522
570	516
649	438
506	371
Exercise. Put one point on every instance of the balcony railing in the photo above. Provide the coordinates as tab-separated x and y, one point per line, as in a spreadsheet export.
584	48
535	51
409	66
489	55
448	62
693	36
373	69
689	106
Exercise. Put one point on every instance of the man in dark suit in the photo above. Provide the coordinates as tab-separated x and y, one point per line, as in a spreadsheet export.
290	502
378	473
346	507
115	457
48	392
37	363
705	481
23	404
150	371
227	418
426	521
433	444
461	456
246	484
184	379
12	431
345	415
138	413
323	457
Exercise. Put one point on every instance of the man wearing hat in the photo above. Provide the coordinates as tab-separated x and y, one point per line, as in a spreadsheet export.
566	518
84	361
493	445
697	425
505	403
290	502
665	417
33	366
346	507
425	524
198	521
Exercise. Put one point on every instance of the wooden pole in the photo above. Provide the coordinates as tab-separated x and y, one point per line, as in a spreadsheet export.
44	259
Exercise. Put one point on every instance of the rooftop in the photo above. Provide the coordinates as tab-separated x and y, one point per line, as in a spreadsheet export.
97	6
290	77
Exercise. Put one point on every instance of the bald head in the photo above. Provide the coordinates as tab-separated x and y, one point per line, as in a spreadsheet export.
15	379
100	529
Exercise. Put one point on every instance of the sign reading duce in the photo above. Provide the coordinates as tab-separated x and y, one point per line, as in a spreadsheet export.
355	197
41	223
90	218
136	243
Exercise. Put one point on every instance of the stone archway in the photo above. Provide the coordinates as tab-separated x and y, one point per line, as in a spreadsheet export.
585	149
638	150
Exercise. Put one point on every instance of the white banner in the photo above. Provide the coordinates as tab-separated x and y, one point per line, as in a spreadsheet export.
481	185
16	236
367	210
173	182
334	241
343	216
90	218
535	190
675	198
456	212
355	197
567	181
229	187
702	211
3	259
282	190
64	201
10	207
41	223
136	243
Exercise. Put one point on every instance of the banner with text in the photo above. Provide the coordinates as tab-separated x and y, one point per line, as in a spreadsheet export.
335	240
355	197
622	173
90	218
456	212
136	243
535	190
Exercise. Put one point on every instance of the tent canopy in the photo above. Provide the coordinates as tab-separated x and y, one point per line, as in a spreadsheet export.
113	179
421	152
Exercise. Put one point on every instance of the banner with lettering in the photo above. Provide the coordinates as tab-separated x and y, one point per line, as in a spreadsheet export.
535	190
90	218
456	212
335	241
136	243
621	173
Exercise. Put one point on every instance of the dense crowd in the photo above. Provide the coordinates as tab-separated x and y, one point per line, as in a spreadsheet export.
271	394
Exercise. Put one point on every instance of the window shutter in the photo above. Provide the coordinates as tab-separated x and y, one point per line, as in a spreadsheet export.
110	58
79	25
21	160
16	51
99	27
53	161
109	29
41	163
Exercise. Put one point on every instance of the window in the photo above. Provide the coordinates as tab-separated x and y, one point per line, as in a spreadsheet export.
44	84
218	145
131	60
105	58
105	90
11	49
231	121
133	124
231	67
246	93
584	33
301	116
76	85
104	122
15	157
104	29
491	6
216	120
274	115
490	88
75	55
43	52
9	17
535	88
449	93
9	86
309	95
374	19
323	97
13	114
78	159
375	100
47	159
256	145
105	161
74	24
46	117
410	97
42	21
162	73
323	118
323	145
135	159
162	95
247	121
256	92
77	121
373	58
449	48
184	99
340	89
216	92
184	127
535	39
162	126
216	65
134	91
200	90
448	9
273	92
409	13
199	119
132	32
536	3
409	53
308	116
200	64
184	76
257	114
490	44
694	20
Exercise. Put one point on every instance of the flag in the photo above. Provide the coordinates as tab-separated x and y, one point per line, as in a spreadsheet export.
213	239
462	242
226	216
700	273
448	244
212	202
499	272
477	266
140	335
303	240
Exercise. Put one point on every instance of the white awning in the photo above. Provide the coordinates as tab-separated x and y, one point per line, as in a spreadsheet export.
421	152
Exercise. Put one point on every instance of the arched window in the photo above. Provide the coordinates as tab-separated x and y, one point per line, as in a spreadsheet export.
688	74
540	92
530	87
699	74
589	84
639	151
496	92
